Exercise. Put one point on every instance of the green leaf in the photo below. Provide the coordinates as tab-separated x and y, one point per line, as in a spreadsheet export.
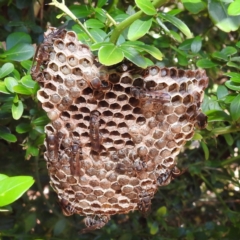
94	23
6	69
23	128
233	85
235	108
197	136
218	13
10	83
146	6
132	55
205	63
81	11
186	44
3	88
220	56
222	92
177	23
234	8
110	55
228	51
12	188
161	212
22	90
238	44
234	65
59	226
3	176
6	135
20	52
235	77
17	110
196	44
101	3
138	29
153	51
174	35
41	121
205	150
194	6
154	228
229	139
16	38
99	35
27	64
28	82
217	115
96	46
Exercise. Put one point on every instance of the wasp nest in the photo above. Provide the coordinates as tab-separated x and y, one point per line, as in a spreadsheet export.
114	132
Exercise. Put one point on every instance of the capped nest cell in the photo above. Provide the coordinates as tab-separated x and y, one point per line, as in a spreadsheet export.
114	131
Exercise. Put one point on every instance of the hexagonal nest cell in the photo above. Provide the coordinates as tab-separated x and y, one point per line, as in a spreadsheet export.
114	132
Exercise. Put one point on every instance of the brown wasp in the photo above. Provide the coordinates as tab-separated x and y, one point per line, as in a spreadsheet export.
94	130
43	51
96	222
76	156
165	178
156	96
52	147
144	204
201	120
67	208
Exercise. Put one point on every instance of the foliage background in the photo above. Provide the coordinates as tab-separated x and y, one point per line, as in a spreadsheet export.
203	203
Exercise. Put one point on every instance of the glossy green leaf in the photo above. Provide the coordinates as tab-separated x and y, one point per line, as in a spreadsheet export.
41	121
238	44
235	77
205	63
27	64
161	212
235	108
132	55
16	38
174	35
12	188
23	128
197	136
153	51
10	83
3	88
81	11
146	6
99	35
221	56
3	176
186	44
234	8
96	46
194	6
228	51
6	69
32	151
94	23
6	135
222	92
233	85
217	115
20	52
234	65
21	89
196	44
110	55
205	150
177	23
28	82
219	15
138	29
17	110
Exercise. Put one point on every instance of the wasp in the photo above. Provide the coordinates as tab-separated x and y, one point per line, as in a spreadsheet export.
144	204
94	130
52	147
165	178
67	208
93	223
201	120
75	157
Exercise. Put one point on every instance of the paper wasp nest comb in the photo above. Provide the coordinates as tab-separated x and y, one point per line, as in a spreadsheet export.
114	132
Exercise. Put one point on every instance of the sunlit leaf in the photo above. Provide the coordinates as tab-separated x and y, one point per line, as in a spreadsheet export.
177	23
138	29
10	83
234	8
146	6
6	69
17	110
12	188
233	85
194	6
